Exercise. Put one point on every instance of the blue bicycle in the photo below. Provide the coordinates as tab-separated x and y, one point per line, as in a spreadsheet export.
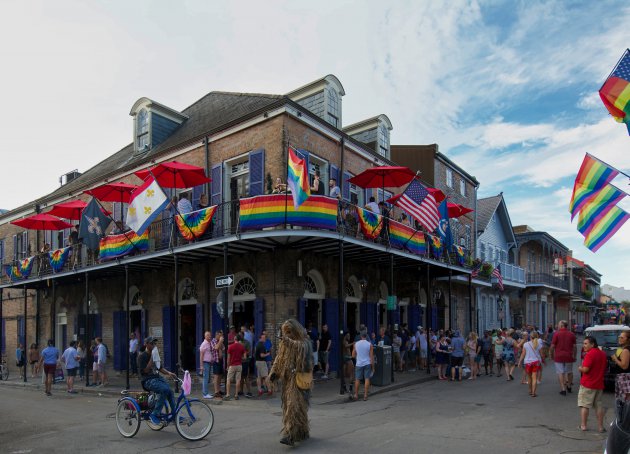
193	418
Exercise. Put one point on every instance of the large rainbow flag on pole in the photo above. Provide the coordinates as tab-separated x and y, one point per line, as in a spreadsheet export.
318	212
115	246
297	179
593	176
605	228
371	223
615	92
598	206
193	225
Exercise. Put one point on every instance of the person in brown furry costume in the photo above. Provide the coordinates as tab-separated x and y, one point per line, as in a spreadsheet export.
295	354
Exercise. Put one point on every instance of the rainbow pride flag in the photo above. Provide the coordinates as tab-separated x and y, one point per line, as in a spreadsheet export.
615	93
13	272
115	246
598	206
605	228
405	237
21	270
593	176
436	246
460	255
371	223
317	212
193	225
297	179
57	258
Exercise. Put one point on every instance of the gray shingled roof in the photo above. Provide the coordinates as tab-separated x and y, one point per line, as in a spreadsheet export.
215	111
485	209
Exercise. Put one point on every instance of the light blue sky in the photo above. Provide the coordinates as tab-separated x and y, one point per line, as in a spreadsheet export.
507	89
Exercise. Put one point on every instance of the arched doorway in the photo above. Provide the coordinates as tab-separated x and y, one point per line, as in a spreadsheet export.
314	293
354	297
242	298
190	324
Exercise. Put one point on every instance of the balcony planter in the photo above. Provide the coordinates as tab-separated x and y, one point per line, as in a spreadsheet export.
486	269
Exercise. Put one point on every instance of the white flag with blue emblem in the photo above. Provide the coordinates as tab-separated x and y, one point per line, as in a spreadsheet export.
145	204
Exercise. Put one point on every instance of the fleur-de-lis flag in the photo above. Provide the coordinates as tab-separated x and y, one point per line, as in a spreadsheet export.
145	204
93	225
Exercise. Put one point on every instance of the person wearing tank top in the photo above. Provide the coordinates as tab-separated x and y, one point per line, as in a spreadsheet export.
363	352
621	359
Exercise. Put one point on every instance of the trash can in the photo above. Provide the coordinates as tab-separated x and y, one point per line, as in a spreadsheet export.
383	370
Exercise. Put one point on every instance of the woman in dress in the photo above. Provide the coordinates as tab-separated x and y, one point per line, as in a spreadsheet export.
348	364
621	361
531	357
441	357
508	353
473	350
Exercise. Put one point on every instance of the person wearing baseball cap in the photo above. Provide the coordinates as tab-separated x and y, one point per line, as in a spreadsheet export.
152	381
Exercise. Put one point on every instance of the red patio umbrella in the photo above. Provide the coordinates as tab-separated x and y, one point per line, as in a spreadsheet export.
113	192
42	221
383	177
456	210
176	174
70	210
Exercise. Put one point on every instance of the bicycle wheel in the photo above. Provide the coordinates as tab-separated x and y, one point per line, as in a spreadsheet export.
4	373
127	418
194	421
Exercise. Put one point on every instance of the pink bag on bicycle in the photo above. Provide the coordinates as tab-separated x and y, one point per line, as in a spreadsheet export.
186	384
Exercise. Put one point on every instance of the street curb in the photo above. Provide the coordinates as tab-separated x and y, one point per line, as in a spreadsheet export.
385	389
80	390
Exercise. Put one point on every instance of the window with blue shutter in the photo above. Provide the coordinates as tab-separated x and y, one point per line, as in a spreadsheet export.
15	248
334	173
346	186
257	172
259	317
169	318
216	196
304	154
20	329
331	313
1	251
98	325
120	340
196	195
4	336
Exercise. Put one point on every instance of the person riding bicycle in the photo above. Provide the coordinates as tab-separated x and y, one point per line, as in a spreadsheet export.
151	380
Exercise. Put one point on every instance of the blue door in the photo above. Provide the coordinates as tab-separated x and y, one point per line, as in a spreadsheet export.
331	312
120	340
169	356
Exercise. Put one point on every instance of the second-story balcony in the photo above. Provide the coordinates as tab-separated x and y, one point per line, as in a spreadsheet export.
513	273
368	237
547	280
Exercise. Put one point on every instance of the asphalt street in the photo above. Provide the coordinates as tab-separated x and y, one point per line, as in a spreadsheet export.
489	415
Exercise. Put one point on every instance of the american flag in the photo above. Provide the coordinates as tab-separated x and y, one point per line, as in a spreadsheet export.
420	204
497	273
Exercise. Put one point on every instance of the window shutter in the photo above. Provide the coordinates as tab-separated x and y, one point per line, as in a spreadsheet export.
120	340
368	194
169	319
331	312
21	339
15	245
199	330
257	172
1	252
25	244
216	195
304	154
346	186
196	195
302	311
259	317
4	336
334	173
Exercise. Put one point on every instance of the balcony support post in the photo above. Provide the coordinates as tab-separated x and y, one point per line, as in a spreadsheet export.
342	313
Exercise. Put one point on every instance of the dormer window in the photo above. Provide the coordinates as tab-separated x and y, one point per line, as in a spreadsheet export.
383	141
333	108
142	130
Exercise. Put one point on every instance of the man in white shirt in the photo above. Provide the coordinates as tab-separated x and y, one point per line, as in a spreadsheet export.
102	360
363	352
424	350
133	354
373	206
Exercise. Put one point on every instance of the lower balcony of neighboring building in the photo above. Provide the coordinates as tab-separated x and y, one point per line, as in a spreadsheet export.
547	280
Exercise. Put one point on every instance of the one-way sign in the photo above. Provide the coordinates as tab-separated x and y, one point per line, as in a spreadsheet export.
223	281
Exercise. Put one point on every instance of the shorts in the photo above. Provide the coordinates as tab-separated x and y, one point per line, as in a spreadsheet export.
478	358
234	372
72	372
217	368
564	368
101	367
498	355
590	398
532	368
323	358
457	361
95	366
49	369
261	369
423	353
363	372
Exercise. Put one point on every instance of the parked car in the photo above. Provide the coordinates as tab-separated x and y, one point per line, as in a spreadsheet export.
606	336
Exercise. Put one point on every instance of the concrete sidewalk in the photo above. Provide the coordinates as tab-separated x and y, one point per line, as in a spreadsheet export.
324	391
